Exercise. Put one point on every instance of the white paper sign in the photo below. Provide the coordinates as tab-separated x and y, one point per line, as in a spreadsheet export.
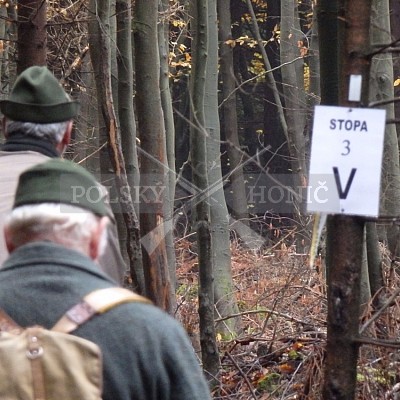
346	159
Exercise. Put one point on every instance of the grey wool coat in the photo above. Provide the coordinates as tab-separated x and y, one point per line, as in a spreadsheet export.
146	353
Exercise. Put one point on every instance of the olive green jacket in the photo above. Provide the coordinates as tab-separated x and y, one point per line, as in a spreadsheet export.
146	353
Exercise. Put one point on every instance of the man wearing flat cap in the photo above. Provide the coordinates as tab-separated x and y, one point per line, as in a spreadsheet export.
37	126
54	238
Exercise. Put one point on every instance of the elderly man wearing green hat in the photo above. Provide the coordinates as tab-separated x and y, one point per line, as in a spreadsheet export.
37	127
54	237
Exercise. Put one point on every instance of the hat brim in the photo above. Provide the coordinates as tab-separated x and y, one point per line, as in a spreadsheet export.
41	114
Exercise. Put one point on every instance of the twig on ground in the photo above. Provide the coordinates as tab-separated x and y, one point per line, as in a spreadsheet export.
279	314
248	383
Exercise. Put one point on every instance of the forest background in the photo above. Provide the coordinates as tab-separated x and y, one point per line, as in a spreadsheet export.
197	115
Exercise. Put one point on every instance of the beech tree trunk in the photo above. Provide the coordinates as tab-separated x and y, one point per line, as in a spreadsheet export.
152	158
293	89
198	154
394	6
32	34
381	89
295	112
224	296
99	41
229	110
277	159
126	116
166	103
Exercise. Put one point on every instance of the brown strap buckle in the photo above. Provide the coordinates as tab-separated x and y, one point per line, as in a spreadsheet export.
96	302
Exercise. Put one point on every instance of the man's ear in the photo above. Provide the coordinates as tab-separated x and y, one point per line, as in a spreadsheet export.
7	237
96	238
65	141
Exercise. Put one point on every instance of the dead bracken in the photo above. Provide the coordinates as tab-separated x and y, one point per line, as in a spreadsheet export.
280	352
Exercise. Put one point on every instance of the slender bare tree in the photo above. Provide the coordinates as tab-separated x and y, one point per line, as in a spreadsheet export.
32	35
126	114
99	40
153	154
198	156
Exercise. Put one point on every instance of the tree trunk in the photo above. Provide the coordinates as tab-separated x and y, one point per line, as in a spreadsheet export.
346	233
395	30
229	110
294	94
166	103
105	161
330	38
152	159
381	89
249	138
293	88
344	277
198	154
126	116
329	41
269	76
87	126
276	159
365	286
99	40
224	297
313	60
374	262
32	35
4	70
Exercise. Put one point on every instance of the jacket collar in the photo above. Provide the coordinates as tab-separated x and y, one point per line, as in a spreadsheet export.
21	142
49	253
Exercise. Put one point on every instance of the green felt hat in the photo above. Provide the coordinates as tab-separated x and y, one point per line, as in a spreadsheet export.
62	182
38	97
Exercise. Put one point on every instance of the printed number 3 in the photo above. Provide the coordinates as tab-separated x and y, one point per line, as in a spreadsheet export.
346	150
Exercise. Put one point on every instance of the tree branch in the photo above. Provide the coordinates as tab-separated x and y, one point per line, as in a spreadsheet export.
383	102
378	342
388	302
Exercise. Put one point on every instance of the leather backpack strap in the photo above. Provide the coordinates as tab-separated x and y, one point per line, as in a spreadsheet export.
96	302
7	324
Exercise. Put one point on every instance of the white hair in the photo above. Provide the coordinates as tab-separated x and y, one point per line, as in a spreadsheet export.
53	132
60	223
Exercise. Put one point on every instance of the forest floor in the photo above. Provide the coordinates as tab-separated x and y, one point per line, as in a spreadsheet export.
282	302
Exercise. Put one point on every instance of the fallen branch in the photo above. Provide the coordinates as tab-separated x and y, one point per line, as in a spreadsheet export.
289	317
378	342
